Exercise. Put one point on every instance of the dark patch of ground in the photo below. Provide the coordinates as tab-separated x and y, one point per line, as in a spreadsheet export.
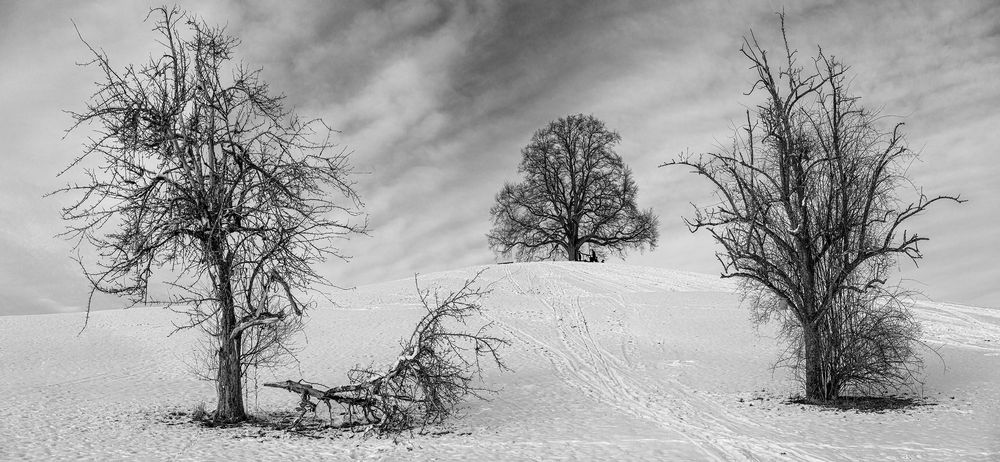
872	404
284	424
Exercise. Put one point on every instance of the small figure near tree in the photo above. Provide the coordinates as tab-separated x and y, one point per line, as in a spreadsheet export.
810	216
576	191
203	177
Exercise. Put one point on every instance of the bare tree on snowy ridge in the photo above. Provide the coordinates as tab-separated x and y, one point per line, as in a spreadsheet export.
810	216
202	175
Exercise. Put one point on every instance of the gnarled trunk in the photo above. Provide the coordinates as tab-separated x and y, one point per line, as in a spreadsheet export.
818	384
574	253
229	380
573	243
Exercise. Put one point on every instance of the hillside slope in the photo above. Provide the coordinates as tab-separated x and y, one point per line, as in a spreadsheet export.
609	362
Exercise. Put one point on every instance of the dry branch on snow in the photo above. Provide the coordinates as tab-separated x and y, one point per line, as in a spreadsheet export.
437	368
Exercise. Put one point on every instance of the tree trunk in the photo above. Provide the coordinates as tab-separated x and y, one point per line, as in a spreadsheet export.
229	383
574	252
573	241
816	386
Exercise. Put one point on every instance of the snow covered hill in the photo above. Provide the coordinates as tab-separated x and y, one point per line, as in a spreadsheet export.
610	362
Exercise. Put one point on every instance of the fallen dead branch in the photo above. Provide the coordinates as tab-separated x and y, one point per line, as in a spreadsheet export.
437	368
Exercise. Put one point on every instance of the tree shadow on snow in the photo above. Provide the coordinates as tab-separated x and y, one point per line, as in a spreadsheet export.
866	404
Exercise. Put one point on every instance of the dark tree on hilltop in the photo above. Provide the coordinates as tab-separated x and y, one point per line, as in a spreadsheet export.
810	216
204	178
576	191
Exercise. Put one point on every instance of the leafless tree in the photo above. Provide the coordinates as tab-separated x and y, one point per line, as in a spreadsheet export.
437	369
202	176
811	217
576	191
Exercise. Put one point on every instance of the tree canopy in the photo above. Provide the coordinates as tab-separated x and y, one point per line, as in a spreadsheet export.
576	192
204	178
812	215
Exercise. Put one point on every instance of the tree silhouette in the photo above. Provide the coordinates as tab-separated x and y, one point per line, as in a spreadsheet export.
810	216
205	178
576	191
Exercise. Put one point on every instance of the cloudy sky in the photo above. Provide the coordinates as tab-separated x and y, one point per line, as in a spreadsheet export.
435	100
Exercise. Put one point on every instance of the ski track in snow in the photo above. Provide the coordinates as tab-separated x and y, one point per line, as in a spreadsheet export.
968	326
585	364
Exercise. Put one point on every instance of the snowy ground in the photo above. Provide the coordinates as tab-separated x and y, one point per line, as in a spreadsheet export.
610	363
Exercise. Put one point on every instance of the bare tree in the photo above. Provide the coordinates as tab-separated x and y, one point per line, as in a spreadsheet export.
202	176
437	369
576	191
811	218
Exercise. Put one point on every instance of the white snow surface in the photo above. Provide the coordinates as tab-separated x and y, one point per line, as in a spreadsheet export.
610	362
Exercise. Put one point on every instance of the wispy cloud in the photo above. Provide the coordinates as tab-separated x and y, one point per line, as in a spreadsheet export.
435	100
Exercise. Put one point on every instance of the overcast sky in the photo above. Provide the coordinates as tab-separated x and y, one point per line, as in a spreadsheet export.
436	99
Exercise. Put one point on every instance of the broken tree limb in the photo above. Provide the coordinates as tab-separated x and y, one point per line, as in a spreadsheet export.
437	368
343	394
258	320
298	388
